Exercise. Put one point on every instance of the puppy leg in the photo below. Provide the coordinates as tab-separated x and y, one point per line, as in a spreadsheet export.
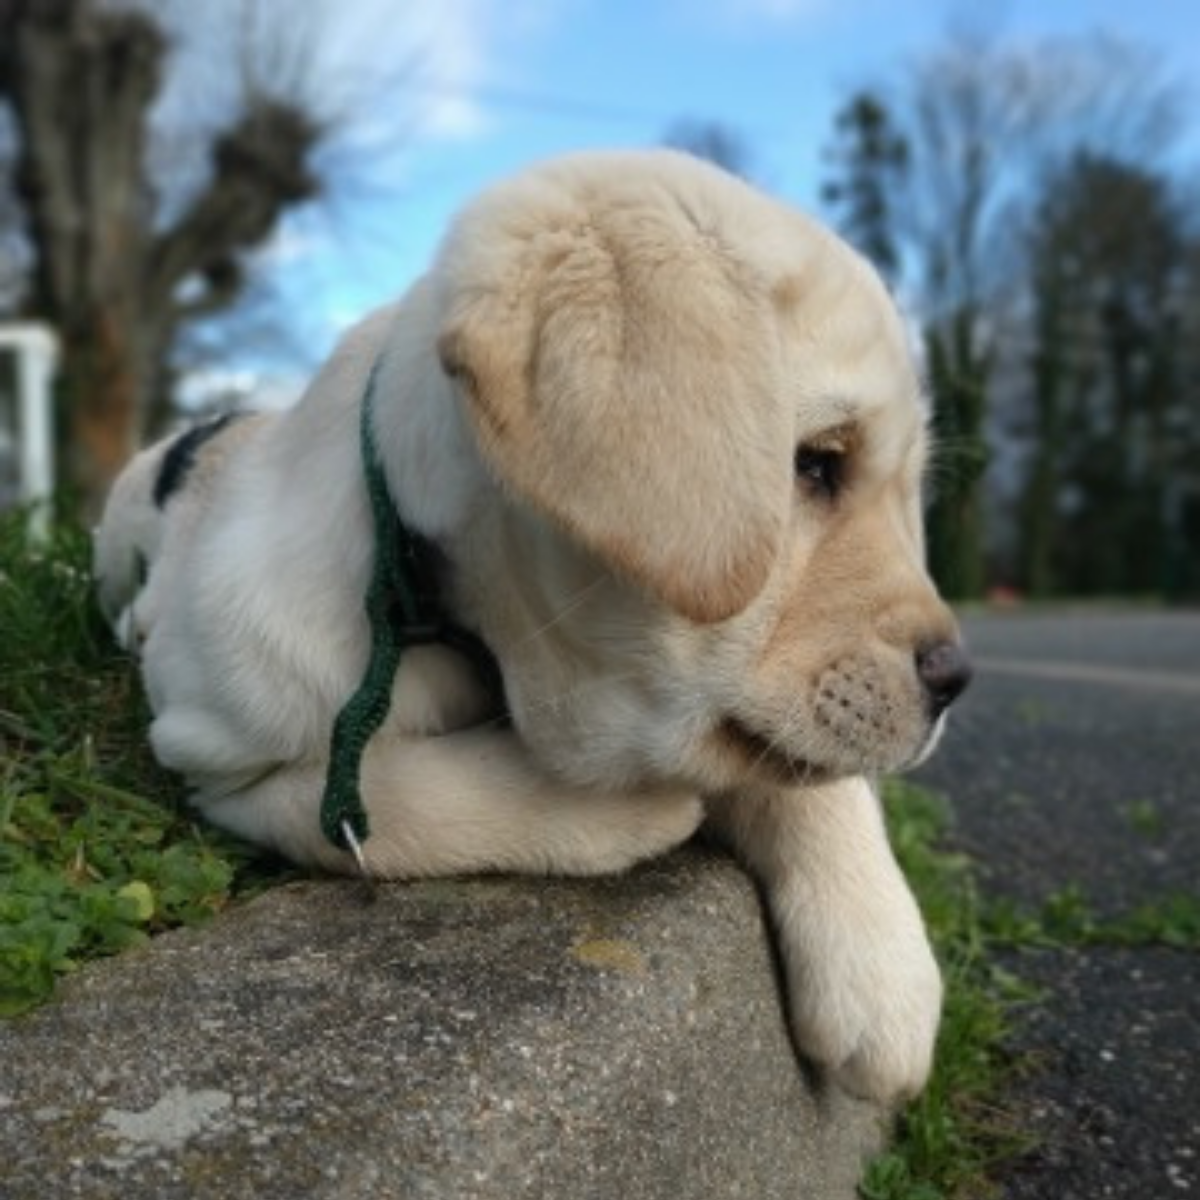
467	802
864	992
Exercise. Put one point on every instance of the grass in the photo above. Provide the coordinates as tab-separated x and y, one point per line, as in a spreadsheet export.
97	855
1067	918
1146	819
96	852
951	1137
951	1140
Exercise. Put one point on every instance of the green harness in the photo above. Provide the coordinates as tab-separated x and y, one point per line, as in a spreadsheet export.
404	609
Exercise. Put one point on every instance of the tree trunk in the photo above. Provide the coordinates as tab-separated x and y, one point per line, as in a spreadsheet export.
103	389
81	78
958	375
1038	513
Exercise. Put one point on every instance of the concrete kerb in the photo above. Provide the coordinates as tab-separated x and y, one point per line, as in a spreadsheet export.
478	1040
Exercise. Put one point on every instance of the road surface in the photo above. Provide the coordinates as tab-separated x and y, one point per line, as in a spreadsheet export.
1074	761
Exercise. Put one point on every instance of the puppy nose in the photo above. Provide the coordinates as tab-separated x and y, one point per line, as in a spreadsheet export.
945	671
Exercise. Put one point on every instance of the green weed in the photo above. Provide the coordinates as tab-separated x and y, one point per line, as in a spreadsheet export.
1145	818
95	850
957	1129
954	1136
1067	918
1032	712
96	854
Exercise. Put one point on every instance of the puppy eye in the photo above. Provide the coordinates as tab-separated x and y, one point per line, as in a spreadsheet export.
820	470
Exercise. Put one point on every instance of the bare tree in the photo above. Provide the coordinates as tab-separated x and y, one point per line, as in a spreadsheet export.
140	221
950	162
1113	399
868	164
916	182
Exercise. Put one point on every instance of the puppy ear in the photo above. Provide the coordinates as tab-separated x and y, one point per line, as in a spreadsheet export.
622	382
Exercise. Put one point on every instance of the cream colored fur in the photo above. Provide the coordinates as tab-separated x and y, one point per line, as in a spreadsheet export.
592	403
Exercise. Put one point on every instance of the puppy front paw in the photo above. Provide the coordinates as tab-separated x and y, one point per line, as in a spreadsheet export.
864	990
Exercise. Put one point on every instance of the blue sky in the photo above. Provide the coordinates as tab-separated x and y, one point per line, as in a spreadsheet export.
477	88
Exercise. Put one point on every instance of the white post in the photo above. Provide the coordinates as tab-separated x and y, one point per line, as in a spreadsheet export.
37	357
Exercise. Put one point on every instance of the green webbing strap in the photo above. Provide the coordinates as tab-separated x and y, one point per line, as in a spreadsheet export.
403	609
365	711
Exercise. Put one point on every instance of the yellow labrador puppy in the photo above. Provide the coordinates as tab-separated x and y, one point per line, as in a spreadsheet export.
666	439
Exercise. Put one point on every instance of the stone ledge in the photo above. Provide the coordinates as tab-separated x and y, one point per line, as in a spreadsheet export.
493	1039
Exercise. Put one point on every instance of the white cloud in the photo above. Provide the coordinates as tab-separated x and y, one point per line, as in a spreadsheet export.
289	244
214	390
443	55
414	65
438	52
451	63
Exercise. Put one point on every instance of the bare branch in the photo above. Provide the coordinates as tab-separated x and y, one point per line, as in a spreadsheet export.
261	168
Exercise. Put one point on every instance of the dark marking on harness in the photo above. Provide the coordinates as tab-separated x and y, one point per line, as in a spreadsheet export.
180	458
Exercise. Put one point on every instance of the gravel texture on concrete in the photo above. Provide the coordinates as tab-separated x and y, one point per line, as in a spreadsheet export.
477	1040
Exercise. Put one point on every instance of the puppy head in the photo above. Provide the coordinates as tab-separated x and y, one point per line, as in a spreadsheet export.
713	398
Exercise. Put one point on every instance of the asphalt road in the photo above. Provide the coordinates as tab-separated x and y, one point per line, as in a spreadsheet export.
1074	761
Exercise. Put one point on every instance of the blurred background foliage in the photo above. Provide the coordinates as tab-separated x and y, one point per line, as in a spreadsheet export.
1024	201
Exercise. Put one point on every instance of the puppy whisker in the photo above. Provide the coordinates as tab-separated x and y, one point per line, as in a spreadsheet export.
572	605
556	702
